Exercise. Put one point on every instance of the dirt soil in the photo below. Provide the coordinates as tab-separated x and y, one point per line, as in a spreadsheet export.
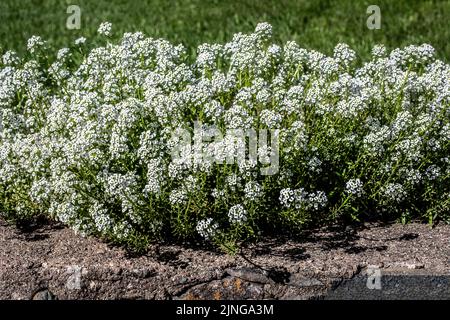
52	262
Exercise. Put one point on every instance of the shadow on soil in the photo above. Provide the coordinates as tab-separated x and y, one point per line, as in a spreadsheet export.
329	238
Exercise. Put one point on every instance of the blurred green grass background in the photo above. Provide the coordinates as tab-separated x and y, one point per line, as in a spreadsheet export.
316	24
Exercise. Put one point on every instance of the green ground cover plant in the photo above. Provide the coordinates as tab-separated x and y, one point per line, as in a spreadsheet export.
103	138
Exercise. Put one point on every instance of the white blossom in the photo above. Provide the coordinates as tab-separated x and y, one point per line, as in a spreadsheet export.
105	29
207	228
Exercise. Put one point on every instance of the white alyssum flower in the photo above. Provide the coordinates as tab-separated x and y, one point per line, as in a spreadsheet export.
344	54
119	143
34	43
354	187
237	214
63	53
253	190
379	51
394	192
80	41
207	228
105	28
301	199
10	58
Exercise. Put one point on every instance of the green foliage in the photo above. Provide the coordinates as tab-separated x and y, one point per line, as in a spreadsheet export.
87	131
318	24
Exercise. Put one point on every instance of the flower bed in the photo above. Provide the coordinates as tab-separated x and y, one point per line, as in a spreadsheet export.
134	141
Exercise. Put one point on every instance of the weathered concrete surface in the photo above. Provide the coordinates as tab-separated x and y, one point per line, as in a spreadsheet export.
394	284
54	263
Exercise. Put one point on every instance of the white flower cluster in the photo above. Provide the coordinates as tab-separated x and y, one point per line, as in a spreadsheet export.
354	187
79	41
207	228
253	190
394	192
300	199
34	43
105	29
92	144
237	214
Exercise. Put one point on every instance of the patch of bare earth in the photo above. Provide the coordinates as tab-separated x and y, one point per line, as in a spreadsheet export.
53	262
